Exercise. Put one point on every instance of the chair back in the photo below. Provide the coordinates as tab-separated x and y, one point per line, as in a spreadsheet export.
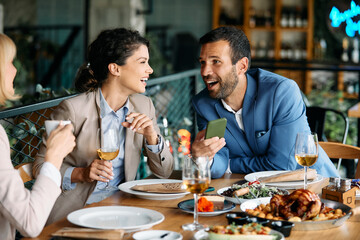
25	171
317	119
342	151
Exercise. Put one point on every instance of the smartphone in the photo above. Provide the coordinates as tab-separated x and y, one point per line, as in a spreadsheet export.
216	128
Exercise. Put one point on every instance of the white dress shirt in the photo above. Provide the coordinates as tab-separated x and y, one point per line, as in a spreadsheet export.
238	117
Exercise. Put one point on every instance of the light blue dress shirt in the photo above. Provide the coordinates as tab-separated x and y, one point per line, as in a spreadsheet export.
110	118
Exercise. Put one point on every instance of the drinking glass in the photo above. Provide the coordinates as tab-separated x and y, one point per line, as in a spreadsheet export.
108	147
196	179
306	151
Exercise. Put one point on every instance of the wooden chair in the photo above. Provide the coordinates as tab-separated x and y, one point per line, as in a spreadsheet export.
25	171
344	151
318	117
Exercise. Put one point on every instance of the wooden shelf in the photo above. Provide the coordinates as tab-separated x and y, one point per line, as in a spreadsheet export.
260	28
295	29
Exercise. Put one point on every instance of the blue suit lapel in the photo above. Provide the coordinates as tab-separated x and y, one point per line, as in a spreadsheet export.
248	112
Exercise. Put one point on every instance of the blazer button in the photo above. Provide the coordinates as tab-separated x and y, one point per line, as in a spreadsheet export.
163	158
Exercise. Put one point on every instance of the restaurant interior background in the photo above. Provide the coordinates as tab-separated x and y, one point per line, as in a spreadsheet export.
294	38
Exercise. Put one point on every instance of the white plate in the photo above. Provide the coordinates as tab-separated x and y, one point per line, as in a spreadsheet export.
253	203
203	235
156	234
126	187
116	217
188	206
232	199
285	185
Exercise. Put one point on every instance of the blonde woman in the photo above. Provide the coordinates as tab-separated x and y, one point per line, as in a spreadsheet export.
20	208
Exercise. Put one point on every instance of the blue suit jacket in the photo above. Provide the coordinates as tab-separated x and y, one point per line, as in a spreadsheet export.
273	113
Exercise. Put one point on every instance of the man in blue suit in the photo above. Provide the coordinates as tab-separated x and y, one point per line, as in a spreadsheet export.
264	111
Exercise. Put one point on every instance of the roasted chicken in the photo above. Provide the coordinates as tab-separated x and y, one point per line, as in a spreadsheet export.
301	203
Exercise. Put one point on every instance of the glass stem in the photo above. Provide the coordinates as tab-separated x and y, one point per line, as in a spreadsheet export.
196	208
305	177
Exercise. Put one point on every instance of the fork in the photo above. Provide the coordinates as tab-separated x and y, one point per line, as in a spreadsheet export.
237	198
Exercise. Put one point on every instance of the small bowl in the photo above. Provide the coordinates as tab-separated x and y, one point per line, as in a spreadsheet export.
259	220
242	218
239	218
282	226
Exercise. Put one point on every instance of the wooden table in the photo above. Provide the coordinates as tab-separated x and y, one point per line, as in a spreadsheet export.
174	217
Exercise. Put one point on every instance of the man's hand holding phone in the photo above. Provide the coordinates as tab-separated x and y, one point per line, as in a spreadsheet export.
210	140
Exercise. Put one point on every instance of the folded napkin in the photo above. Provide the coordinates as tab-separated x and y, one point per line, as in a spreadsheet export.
290	176
89	233
160	188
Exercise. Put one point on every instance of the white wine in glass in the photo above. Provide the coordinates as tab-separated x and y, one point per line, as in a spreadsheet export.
196	178
108	146
107	154
306	151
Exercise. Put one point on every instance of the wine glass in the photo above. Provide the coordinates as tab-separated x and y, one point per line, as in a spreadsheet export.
306	151
108	147
196	179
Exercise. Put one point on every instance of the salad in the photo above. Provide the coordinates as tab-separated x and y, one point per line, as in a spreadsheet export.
256	190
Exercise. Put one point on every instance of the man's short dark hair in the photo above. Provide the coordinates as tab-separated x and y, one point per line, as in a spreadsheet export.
239	43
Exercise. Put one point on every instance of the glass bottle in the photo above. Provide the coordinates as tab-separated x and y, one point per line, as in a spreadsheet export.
252	20
291	21
344	55
355	51
284	20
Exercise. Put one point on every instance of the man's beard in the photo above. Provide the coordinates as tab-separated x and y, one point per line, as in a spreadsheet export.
227	85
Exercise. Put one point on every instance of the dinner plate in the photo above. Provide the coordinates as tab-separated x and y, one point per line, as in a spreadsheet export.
253	203
203	235
235	200
285	185
116	217
157	234
126	187
188	206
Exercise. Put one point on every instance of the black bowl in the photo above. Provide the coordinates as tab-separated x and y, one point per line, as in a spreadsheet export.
239	218
259	220
282	226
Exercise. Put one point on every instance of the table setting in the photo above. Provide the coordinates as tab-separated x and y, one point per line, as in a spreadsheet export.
174	217
186	207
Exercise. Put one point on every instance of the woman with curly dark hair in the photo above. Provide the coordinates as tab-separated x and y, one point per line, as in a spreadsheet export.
111	83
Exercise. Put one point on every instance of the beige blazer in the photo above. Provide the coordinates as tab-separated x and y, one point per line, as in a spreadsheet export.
19	208
84	113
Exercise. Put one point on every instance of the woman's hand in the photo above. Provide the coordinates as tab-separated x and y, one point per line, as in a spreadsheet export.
59	144
142	124
98	170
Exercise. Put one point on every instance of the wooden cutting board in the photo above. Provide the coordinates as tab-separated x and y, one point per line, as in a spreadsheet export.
291	176
160	188
89	233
